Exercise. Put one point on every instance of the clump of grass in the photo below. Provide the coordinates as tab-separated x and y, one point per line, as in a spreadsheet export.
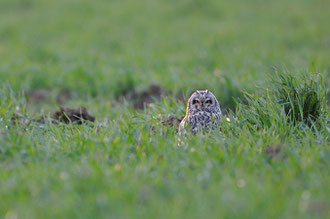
304	99
290	101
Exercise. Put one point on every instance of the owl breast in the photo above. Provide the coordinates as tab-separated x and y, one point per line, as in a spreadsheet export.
202	120
203	112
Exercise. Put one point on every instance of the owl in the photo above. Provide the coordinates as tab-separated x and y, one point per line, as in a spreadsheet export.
203	112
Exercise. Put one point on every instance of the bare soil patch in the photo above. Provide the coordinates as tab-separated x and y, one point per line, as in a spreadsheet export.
172	121
275	151
43	95
36	96
142	98
64	114
19	119
63	96
68	115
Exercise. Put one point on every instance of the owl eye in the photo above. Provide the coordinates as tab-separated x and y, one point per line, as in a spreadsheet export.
208	101
195	101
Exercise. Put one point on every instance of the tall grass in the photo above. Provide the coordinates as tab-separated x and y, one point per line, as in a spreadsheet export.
289	102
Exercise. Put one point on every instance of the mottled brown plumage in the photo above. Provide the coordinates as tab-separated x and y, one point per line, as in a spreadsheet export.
203	112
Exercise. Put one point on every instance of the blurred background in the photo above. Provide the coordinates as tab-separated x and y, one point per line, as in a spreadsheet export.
97	53
102	48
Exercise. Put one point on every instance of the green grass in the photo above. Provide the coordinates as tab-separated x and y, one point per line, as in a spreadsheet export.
127	164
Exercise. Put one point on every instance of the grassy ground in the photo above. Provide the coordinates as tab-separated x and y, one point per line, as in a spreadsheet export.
127	164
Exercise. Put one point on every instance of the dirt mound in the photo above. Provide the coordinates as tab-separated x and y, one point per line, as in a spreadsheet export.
275	151
172	121
78	116
272	151
43	95
63	96
65	114
36	96
142	98
18	119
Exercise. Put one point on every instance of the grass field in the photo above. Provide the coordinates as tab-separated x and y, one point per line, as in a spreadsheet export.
267	163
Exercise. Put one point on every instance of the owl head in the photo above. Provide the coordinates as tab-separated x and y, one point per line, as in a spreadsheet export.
202	100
